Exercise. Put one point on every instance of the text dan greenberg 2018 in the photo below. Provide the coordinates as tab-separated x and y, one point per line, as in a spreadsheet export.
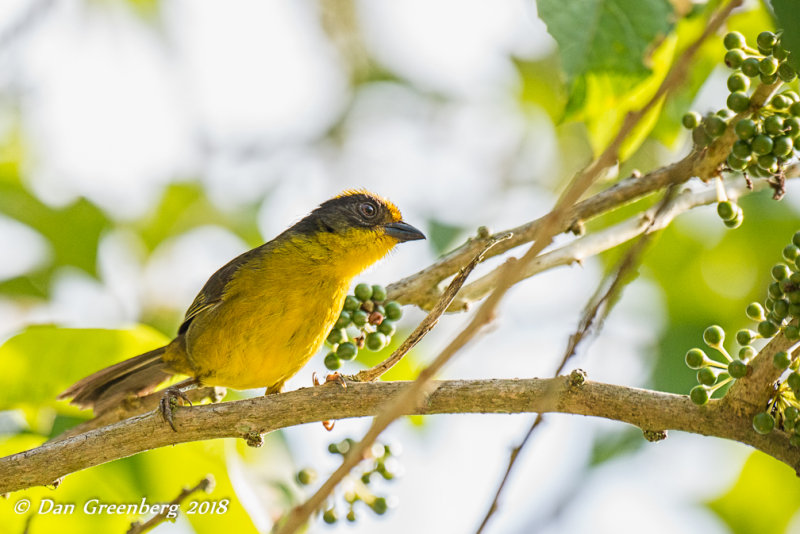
97	507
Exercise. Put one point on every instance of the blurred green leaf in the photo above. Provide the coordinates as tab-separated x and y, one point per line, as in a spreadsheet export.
541	85
764	499
668	128
609	446
608	36
184	206
787	13
43	360
443	236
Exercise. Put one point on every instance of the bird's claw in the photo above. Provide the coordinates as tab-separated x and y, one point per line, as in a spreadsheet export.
173	397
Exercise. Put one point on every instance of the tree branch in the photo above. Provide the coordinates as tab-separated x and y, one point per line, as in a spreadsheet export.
649	410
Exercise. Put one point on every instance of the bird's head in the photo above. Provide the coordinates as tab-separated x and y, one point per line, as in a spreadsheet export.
355	229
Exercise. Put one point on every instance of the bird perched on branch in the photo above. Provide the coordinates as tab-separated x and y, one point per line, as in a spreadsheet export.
261	317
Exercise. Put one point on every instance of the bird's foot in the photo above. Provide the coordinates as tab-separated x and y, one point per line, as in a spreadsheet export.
173	397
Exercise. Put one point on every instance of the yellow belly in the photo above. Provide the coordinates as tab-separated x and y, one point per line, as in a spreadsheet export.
263	338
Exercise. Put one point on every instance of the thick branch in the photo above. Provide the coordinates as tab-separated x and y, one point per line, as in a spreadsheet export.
646	409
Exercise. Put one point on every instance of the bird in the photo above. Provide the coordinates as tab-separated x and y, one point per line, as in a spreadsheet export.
259	319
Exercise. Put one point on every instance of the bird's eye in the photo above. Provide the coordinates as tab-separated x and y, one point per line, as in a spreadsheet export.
368	209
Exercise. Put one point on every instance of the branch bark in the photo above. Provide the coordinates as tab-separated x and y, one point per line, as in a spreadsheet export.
649	410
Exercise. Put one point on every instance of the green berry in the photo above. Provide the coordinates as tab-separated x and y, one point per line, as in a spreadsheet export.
779	52
375	341
794	109
765	40
786	73
363	292
343	321
791	332
332	361
794	440
762	144
699	395
774	290
791	252
773	125
763	423
351	515
330	516
750	67
726	114
755	312
393	310
783	146
745	129
378	293
346	351
734	40
714	336
738	82
768	66
379	505
781	360
727	210
734	58
306	476
767	329
695	358
706	376
387	328
715	126
796	239
351	303
691	120
745	336
768	162
781	102
736	164
360	318
780	309
741	149
768	79
747	353
791	126
738	101
337	335
791	413
737	369
735	223
793	382
333	448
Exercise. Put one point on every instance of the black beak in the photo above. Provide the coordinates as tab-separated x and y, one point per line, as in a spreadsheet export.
403	231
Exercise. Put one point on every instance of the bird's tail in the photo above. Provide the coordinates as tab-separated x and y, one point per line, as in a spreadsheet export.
107	387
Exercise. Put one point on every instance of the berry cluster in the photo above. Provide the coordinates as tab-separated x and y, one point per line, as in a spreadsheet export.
379	460
371	321
766	141
779	313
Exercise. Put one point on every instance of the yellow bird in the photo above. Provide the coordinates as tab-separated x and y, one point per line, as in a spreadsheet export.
262	316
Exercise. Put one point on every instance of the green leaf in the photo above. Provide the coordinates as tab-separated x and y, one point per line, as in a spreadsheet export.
185	206
443	236
787	13
610	36
764	499
73	231
42	361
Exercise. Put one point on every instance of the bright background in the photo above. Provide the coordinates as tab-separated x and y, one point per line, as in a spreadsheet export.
145	143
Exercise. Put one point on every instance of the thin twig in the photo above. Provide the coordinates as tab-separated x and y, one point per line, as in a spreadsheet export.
206	485
427	324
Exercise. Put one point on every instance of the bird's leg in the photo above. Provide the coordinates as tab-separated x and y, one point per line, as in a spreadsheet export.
173	397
